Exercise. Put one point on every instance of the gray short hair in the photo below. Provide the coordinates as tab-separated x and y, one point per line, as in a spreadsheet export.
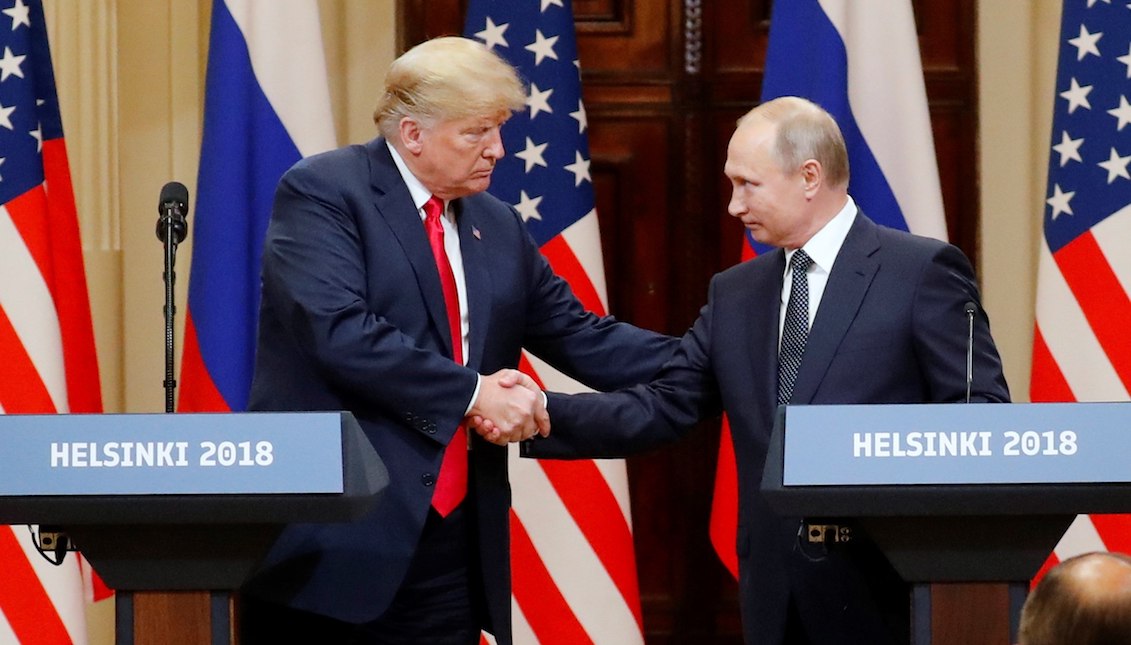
804	131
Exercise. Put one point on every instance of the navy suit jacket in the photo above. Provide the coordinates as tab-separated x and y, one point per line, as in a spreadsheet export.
891	328
353	318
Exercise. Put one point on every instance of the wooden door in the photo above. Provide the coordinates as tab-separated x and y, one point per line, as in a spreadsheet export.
664	82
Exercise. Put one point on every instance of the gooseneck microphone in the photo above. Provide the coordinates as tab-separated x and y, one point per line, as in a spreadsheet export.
171	210
971	309
172	227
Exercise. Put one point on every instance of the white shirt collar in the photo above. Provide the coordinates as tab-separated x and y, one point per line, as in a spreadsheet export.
419	193
824	246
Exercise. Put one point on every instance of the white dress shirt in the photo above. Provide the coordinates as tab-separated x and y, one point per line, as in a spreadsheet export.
823	248
420	196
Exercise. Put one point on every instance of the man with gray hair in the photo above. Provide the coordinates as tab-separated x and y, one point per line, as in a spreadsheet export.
396	288
844	311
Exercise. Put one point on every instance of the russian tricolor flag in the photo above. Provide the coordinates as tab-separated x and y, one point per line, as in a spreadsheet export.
860	61
267	105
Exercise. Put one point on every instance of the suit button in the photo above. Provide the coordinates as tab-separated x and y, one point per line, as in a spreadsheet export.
430	428
427	479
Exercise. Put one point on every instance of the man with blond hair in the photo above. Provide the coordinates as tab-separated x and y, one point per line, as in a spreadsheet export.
1085	600
396	288
844	311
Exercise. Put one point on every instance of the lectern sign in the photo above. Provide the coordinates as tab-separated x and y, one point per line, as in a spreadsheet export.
1039	443
136	454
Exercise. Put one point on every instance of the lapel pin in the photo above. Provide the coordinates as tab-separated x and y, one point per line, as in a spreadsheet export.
476	233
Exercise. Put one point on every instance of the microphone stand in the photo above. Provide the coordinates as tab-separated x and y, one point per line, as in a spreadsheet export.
171	230
971	309
170	310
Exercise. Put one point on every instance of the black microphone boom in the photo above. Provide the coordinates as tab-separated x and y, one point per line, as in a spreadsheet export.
172	209
172	227
971	308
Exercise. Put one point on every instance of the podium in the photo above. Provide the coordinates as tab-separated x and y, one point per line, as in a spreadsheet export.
966	501
174	511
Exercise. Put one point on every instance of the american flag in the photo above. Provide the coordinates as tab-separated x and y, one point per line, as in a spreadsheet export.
573	563
860	61
46	338
1081	349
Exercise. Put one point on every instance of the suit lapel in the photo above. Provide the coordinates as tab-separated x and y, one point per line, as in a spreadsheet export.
394	204
856	265
764	308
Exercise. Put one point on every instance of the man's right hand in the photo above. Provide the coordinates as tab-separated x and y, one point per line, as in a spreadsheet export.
509	408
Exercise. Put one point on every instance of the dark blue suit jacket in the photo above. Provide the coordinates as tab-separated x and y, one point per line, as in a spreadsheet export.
353	318
891	328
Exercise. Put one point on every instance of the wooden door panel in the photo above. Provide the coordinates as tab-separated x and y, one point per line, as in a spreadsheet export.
629	156
624	36
664	82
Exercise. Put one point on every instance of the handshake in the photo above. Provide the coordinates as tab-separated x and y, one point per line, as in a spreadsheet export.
510	407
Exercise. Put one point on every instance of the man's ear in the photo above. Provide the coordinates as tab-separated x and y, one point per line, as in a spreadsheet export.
812	176
412	135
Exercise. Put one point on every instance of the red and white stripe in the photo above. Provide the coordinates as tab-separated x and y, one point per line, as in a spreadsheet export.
50	366
1081	350
29	326
39	602
573	561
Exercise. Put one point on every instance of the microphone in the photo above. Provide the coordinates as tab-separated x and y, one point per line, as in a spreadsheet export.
971	308
171	230
171	209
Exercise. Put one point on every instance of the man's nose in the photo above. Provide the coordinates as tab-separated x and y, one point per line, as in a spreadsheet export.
736	206
494	149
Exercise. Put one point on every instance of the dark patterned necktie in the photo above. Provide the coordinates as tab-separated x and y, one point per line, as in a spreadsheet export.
796	328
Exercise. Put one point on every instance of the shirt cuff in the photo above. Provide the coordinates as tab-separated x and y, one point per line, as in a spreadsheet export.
474	395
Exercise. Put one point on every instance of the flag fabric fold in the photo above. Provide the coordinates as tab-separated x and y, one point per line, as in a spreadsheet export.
1081	351
46	335
860	61
266	105
573	558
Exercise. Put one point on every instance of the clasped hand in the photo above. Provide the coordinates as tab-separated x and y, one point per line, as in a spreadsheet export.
509	408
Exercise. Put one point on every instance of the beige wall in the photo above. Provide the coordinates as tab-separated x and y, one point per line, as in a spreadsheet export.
1017	70
131	82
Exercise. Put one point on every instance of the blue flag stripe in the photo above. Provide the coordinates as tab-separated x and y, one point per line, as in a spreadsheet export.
806	57
245	149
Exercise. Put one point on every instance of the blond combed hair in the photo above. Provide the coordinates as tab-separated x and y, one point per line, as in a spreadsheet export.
804	131
447	78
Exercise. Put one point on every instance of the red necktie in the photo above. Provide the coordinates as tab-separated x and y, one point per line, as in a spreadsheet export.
451	486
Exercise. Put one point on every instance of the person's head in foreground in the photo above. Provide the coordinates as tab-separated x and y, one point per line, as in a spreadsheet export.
1085	600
